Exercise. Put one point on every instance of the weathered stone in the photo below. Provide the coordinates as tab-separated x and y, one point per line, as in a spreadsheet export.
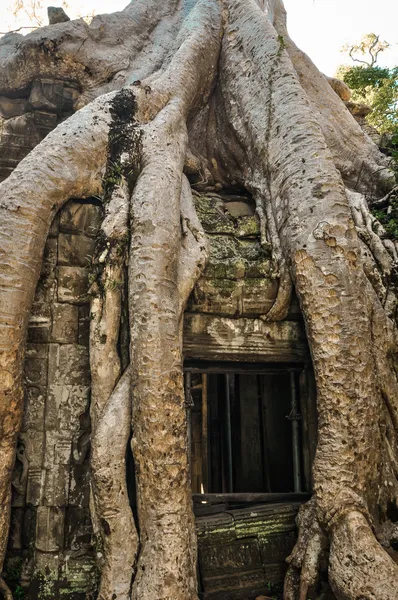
80	575
233	268
258	296
65	323
56	14
56	488
213	215
29	527
50	528
217	296
68	365
47	564
247	226
35	401
39	330
58	448
81	218
33	492
216	338
240	209
75	249
65	405
12	107
72	284
38	100
36	365
44	122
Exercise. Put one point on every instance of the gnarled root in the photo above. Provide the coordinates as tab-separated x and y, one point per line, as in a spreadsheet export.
108	464
111	406
358	565
308	556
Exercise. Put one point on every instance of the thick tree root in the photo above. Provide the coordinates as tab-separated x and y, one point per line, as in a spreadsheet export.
119	534
111	405
358	566
305	562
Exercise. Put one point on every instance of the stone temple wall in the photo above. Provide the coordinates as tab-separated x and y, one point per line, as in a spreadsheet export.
51	536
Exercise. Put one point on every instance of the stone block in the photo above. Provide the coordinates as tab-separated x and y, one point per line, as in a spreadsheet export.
72	285
12	107
53	96
34	443
36	365
44	122
217	296
56	487
75	250
208	337
258	296
34	408
65	405
35	401
247	226
46	291
58	449
81	218
39	329
33	491
50	257
69	96
68	364
65	323
240	208
257	269
230	558
45	95
81	575
47	563
233	268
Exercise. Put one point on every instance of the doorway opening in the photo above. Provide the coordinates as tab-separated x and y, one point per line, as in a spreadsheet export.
246	431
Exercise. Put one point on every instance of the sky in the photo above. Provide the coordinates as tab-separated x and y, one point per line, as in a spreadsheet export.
319	27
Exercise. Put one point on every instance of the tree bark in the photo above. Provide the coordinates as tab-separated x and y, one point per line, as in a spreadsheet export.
218	88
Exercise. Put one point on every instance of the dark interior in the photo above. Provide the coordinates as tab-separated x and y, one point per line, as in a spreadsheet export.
242	430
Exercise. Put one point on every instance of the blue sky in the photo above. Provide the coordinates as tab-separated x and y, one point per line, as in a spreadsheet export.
319	27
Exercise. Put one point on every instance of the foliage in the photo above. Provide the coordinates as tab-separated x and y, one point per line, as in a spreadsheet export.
368	49
12	577
373	85
389	219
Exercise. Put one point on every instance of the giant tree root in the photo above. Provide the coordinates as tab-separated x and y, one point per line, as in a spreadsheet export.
108	463
228	72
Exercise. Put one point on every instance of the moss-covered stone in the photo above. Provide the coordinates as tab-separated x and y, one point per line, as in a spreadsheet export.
239	278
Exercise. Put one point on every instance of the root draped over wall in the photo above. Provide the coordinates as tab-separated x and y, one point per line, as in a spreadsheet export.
216	88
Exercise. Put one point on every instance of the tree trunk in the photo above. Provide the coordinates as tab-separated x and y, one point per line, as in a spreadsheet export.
220	90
